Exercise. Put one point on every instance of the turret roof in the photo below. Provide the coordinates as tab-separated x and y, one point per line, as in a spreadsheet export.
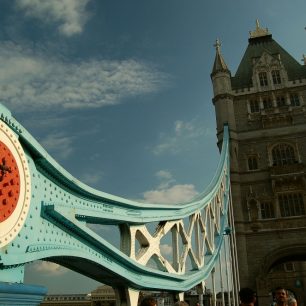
261	41
219	64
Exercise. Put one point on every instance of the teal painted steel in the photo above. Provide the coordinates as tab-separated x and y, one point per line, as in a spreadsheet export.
20	294
60	207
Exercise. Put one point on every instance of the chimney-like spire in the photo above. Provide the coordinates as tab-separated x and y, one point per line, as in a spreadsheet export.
219	64
259	32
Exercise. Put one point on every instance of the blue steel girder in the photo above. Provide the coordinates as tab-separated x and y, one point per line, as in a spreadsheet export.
50	217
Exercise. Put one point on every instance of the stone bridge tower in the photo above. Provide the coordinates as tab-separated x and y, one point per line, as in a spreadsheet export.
264	105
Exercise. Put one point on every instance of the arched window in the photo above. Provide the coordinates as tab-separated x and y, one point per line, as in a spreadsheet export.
283	154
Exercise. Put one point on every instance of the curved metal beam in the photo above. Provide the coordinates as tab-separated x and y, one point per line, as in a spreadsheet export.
50	218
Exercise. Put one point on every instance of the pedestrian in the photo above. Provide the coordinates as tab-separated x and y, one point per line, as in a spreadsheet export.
181	303
247	297
282	297
148	301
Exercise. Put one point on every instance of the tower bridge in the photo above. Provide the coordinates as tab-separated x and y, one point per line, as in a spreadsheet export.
45	213
256	198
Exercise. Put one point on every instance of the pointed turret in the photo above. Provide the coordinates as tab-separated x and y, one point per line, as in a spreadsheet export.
223	99
219	64
220	75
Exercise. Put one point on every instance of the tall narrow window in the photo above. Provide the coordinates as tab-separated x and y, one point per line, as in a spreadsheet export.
276	77
283	154
267	210
291	204
254	106
294	100
252	163
263	79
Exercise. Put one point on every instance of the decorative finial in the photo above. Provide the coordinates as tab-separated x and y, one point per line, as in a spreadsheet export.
257	24
259	32
217	45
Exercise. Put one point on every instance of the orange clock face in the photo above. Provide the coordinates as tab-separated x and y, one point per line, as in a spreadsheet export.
9	182
15	185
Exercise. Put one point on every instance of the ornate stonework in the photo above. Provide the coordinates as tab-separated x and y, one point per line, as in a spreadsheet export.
259	32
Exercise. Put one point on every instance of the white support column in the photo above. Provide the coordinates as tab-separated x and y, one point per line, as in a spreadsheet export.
126	296
198	246
178	296
227	271
221	278
181	296
175	248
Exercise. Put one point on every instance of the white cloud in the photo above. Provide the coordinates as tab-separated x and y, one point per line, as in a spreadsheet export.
182	136
33	80
167	192
172	195
182	127
69	15
49	267
166	249
163	174
166	179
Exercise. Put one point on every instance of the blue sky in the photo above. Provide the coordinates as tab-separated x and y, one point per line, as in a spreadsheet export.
119	92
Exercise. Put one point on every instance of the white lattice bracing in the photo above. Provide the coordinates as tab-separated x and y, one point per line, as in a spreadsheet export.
190	242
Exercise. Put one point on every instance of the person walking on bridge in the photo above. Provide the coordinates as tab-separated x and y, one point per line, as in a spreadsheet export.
282	298
247	297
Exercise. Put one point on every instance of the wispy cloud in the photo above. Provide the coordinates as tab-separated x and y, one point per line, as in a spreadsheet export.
49	268
93	178
32	79
172	195
69	15
165	178
59	143
181	137
168	192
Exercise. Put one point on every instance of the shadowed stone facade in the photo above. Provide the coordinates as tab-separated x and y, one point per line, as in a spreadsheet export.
264	105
